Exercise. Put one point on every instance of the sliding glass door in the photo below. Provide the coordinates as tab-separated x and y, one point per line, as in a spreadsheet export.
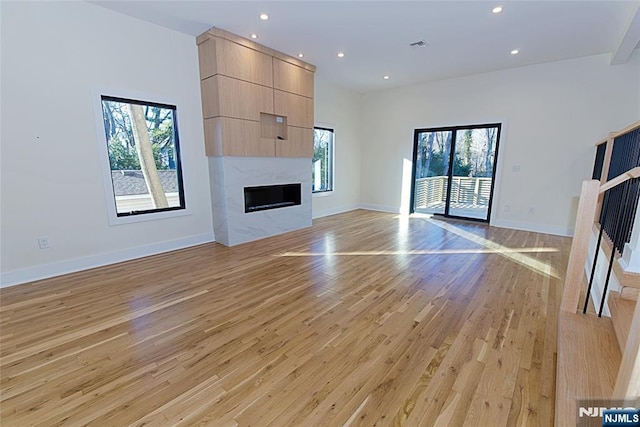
454	171
431	171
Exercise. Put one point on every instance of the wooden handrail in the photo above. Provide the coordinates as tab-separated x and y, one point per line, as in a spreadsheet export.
631	127
612	135
627	385
630	174
587	208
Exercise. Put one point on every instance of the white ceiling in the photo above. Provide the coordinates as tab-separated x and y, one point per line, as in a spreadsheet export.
464	37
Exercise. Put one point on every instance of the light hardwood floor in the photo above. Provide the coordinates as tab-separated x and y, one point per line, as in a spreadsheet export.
364	319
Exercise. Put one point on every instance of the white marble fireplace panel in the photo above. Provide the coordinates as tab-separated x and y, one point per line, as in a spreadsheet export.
218	203
232	225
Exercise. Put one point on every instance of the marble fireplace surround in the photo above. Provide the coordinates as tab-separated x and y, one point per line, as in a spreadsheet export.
230	175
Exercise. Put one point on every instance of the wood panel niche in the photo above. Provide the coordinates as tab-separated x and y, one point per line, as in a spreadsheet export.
256	101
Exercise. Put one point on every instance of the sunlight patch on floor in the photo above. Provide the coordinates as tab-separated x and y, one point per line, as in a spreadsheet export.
421	252
515	255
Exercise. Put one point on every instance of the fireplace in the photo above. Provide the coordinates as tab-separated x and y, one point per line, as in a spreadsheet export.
271	197
239	181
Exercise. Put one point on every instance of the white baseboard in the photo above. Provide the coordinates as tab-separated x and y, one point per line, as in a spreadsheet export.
536	228
517	225
328	212
379	208
46	271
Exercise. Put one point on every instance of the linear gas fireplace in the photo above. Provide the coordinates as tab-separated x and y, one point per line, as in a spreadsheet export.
271	197
244	191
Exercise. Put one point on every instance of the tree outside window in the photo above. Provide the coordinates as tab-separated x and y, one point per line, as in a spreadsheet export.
144	155
322	171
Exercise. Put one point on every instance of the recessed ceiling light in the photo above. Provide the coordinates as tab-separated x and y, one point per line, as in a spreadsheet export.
301	55
386	77
514	52
497	9
340	55
254	36
264	16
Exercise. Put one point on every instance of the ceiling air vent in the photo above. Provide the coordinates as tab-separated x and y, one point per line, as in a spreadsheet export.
419	43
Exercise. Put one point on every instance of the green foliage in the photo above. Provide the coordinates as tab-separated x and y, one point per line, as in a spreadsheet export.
436	165
121	145
122	157
321	152
460	168
473	155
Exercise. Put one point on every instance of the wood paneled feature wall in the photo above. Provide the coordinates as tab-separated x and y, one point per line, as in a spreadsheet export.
256	101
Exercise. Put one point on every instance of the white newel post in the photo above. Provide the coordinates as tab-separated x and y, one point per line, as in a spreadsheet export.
630	260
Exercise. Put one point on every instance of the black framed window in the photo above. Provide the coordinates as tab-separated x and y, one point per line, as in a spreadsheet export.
144	156
323	160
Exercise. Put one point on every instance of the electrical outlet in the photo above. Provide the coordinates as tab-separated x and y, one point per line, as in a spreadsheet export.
515	168
43	242
532	210
507	208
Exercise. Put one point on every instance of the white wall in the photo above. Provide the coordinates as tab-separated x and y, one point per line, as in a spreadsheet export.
552	116
339	109
53	54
